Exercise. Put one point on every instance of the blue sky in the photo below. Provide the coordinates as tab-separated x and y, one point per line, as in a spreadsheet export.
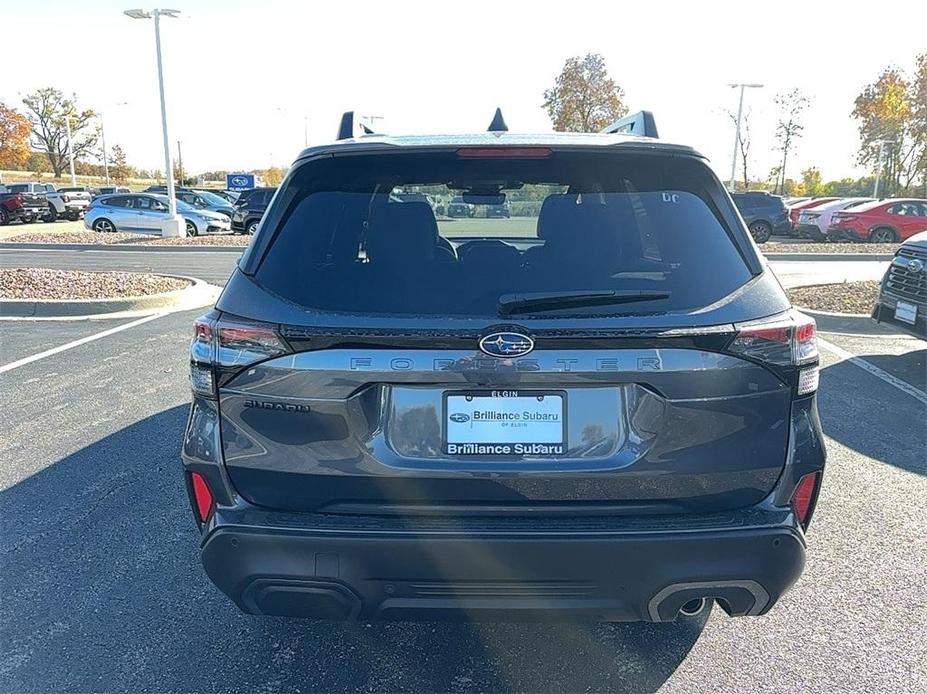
243	77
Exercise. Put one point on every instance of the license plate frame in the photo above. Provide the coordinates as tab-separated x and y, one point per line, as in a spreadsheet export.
905	312
518	445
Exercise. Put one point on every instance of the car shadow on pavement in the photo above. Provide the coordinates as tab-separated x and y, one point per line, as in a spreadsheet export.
875	418
103	591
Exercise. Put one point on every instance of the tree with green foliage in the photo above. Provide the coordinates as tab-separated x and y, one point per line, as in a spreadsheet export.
811	181
118	167
893	109
584	98
48	111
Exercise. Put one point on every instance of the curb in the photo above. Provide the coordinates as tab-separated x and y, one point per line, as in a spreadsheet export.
816	257
198	293
122	247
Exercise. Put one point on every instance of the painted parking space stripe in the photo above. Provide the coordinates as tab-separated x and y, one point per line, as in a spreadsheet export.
77	343
844	355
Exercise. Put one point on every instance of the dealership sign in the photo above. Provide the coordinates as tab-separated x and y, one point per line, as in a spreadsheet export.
239	181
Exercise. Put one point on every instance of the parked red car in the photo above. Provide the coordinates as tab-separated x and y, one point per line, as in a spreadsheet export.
883	221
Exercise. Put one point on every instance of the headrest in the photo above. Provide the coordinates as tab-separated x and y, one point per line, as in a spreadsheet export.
402	232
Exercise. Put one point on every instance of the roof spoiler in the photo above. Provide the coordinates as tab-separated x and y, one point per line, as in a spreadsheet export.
346	128
640	123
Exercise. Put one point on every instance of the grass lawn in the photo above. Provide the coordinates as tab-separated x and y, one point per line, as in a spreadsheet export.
513	226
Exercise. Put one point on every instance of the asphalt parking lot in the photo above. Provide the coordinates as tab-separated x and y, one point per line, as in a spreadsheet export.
102	589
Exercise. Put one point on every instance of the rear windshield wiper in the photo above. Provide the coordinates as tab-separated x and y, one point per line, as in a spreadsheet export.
531	302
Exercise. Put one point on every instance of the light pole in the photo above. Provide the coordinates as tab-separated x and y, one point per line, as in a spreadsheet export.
878	177
173	226
67	122
740	111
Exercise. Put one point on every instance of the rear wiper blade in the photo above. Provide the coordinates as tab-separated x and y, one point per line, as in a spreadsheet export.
530	302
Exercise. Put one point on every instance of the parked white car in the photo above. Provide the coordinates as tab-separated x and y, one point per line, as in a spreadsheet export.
145	213
813	222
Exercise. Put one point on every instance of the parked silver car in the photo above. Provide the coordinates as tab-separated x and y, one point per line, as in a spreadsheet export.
146	212
206	200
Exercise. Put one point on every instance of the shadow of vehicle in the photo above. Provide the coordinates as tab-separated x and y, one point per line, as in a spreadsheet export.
875	418
103	591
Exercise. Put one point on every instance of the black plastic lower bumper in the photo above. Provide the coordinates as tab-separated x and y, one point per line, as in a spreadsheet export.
626	575
884	312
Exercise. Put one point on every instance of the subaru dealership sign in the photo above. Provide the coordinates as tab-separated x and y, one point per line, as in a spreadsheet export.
239	181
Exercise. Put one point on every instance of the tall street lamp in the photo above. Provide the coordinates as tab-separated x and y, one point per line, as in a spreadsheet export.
67	122
174	225
740	111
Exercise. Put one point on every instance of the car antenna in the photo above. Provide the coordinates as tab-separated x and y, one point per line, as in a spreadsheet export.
498	123
346	129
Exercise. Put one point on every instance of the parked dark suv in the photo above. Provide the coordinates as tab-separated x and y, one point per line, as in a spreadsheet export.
607	412
249	209
764	214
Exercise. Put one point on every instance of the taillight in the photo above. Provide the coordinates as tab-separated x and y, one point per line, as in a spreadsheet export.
804	496
201	496
789	342
226	344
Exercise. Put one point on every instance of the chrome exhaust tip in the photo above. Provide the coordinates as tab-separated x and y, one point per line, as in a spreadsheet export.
693	607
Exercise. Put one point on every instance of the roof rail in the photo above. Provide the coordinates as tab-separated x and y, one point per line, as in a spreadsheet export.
640	123
346	128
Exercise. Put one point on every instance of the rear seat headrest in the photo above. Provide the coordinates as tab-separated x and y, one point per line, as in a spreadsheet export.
404	232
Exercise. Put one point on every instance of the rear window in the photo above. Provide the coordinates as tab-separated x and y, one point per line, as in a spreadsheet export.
374	234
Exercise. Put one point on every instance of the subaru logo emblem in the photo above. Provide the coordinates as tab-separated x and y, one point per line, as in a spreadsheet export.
915	265
505	345
459	417
239	181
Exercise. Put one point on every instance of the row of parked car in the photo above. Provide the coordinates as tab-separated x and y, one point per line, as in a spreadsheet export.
869	220
203	211
116	208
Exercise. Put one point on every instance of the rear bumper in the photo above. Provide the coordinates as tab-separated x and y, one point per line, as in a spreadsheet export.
610	570
810	231
839	234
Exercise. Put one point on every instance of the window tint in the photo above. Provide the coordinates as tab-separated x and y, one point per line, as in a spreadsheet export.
19	188
577	221
118	201
906	209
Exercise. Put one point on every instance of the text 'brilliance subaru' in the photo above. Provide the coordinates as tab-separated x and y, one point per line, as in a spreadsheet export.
599	407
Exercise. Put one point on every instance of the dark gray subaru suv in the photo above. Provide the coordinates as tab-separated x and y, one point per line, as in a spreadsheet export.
601	407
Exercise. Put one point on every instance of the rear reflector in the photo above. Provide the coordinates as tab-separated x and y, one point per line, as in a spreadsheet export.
503	152
808	380
202	496
202	381
803	497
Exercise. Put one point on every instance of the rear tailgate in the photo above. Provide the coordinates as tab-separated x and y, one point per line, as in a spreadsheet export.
669	428
350	372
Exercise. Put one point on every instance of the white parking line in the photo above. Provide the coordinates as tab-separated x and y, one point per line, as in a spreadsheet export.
76	343
844	355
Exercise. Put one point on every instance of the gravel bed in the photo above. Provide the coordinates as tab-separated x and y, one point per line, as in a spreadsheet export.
88	237
848	297
848	248
120	238
37	283
218	240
